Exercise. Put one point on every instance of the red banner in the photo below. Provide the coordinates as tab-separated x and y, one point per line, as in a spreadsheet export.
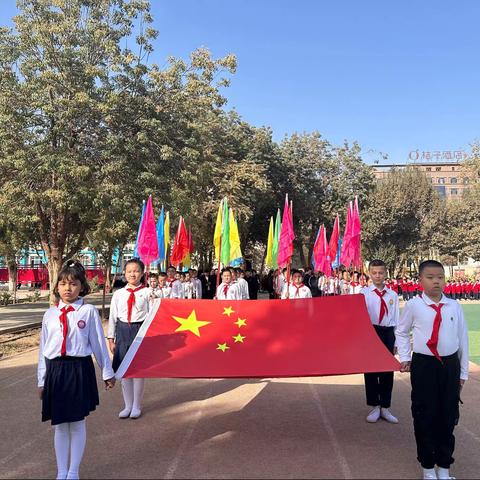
40	275
257	338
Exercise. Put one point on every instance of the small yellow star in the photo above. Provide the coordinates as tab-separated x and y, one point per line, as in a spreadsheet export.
238	338
190	324
223	346
241	322
228	311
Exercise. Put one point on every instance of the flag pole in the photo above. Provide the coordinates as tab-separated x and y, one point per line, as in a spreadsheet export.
217	281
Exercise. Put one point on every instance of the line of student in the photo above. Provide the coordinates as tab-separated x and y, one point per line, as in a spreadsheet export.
72	332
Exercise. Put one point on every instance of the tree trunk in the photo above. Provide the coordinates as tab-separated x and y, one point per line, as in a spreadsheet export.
301	253
264	257
12	276
54	266
107	283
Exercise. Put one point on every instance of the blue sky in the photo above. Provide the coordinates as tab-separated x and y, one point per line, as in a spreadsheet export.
394	75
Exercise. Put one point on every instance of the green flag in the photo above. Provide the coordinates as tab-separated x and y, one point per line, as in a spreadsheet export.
276	239
225	252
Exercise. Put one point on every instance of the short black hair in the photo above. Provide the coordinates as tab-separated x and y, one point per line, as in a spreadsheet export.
377	263
73	270
226	269
429	263
162	274
138	262
153	275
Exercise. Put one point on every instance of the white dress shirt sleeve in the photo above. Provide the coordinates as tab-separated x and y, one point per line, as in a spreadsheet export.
463	344
199	288
112	318
402	334
42	368
96	338
308	293
284	292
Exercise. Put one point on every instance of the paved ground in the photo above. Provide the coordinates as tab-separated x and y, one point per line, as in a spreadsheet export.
23	314
283	428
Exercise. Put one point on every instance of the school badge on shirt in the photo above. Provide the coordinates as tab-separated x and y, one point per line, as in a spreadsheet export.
391	301
81	324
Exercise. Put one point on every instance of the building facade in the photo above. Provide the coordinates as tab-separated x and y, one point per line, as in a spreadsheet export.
449	178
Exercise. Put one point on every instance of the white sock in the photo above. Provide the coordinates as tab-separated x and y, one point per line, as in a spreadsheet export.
78	438
127	390
61	440
138	390
443	472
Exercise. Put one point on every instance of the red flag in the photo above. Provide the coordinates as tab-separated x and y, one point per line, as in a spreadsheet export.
147	245
259	338
180	246
333	243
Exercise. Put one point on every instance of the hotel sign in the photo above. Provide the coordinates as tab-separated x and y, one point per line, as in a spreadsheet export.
437	156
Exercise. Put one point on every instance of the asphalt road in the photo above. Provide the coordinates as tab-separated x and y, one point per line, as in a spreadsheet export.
281	428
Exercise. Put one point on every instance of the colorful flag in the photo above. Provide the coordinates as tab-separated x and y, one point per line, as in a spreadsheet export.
180	245
356	237
217	236
135	250
161	236
287	236
235	250
333	243
322	264
147	239
268	257
276	240
225	250
187	261
346	253
225	339
166	233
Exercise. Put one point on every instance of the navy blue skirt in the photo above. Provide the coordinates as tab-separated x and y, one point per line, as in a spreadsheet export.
125	334
70	392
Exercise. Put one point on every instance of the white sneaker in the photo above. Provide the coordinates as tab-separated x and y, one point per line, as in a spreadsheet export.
125	413
429	474
136	413
444	473
374	415
387	415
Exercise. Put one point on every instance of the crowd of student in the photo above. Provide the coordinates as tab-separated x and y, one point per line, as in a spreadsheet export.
437	359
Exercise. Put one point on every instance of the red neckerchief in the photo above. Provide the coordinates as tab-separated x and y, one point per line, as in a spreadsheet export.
131	301
383	305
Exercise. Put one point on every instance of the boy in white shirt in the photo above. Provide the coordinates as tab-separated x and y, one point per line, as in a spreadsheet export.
228	290
438	366
296	289
383	309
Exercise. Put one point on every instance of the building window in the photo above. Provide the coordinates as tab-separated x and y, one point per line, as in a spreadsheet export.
438	169
453	191
441	180
453	180
453	169
441	191
428	169
465	181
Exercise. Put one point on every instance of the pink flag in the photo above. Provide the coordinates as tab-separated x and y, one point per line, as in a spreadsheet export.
356	236
346	252
147	238
322	264
287	235
333	244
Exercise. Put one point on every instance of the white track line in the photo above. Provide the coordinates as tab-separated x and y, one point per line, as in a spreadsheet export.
345	468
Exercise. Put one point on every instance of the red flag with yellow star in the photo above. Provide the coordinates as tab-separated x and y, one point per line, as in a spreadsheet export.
257	338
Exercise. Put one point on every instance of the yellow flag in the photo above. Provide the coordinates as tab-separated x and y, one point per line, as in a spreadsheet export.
217	236
268	258
235	251
166	231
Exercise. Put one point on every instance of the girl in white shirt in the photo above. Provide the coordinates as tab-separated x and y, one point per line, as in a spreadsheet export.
128	310
296	289
228	290
67	385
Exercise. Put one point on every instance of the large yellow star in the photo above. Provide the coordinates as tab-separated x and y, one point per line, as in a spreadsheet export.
190	324
238	338
222	346
228	311
241	322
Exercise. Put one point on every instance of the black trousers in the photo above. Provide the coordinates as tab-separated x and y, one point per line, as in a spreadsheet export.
379	386
435	399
